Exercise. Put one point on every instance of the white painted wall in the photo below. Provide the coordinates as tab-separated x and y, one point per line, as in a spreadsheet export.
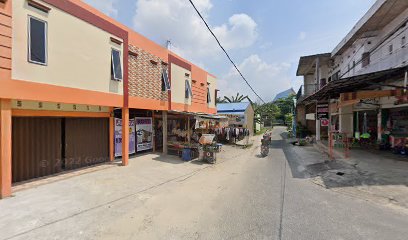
79	54
213	85
178	77
378	45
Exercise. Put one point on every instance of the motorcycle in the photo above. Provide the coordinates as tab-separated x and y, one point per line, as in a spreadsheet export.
265	142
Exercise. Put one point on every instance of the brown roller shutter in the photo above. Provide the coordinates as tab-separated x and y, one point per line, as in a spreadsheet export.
36	144
87	142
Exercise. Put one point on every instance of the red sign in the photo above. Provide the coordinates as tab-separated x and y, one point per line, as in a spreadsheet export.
324	122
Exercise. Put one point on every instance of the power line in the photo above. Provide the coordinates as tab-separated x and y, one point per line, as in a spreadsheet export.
219	44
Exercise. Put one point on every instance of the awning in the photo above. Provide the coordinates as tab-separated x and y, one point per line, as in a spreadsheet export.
351	84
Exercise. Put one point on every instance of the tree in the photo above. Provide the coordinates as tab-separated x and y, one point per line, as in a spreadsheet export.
267	111
285	105
237	98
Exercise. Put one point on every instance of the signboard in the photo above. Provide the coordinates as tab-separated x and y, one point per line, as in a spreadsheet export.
118	137
144	132
322	111
324	122
310	116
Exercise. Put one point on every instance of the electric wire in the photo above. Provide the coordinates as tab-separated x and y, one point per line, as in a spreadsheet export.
223	49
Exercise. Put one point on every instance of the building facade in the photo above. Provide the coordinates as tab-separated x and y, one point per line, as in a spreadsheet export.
240	114
66	71
366	91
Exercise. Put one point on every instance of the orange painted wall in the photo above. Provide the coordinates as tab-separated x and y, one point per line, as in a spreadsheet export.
147	103
24	90
44	92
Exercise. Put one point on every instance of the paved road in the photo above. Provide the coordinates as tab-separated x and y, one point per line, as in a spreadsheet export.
244	196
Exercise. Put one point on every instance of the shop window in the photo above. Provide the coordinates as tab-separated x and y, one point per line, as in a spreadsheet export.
188	92
165	80
37	41
208	95
116	66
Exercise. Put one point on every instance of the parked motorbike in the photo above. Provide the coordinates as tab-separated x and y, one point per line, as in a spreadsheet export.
265	142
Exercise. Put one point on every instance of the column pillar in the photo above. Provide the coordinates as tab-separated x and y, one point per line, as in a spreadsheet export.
111	137
379	126
5	148
154	132
317	124
125	136
164	133
188	130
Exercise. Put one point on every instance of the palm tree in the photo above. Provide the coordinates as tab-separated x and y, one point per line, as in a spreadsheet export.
237	98
220	100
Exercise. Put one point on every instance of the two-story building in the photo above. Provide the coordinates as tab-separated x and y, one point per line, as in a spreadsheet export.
367	86
314	69
66	72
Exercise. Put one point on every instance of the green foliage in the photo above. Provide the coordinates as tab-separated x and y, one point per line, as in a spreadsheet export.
266	111
235	99
286	107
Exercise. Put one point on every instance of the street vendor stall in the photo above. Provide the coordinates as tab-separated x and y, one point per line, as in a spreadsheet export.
179	131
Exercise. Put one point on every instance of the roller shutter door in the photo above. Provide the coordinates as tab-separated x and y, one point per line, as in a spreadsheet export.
36	147
86	142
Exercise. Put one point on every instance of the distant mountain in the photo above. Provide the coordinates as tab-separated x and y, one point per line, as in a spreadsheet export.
284	94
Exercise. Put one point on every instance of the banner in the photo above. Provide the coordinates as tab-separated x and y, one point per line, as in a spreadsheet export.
144	132
132	137
118	137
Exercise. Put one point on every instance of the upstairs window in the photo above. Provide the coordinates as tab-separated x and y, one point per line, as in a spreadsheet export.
188	92
390	49
365	61
208	95
37	41
165	80
403	42
116	66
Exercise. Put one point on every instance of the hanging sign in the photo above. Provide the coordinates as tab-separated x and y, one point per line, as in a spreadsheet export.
322	111
144	132
118	137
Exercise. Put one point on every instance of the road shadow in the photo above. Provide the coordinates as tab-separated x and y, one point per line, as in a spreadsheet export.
307	162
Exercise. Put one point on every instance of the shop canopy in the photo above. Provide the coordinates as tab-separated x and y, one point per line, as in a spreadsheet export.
366	81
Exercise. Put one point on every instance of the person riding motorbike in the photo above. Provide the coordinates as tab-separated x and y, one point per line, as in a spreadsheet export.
265	142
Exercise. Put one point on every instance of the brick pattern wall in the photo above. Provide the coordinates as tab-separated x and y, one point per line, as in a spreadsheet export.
5	40
145	78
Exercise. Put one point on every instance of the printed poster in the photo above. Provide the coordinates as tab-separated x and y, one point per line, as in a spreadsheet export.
118	137
144	132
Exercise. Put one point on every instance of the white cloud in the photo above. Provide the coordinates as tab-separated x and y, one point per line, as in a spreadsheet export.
176	20
267	79
302	35
239	33
105	6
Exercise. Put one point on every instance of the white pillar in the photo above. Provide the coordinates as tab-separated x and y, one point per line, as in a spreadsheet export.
317	128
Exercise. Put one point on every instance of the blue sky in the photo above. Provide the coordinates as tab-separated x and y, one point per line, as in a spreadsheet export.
264	37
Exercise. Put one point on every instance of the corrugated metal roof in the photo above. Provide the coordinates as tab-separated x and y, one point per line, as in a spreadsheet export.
233	113
232	107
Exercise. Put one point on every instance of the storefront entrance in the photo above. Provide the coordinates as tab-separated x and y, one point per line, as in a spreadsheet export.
43	146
